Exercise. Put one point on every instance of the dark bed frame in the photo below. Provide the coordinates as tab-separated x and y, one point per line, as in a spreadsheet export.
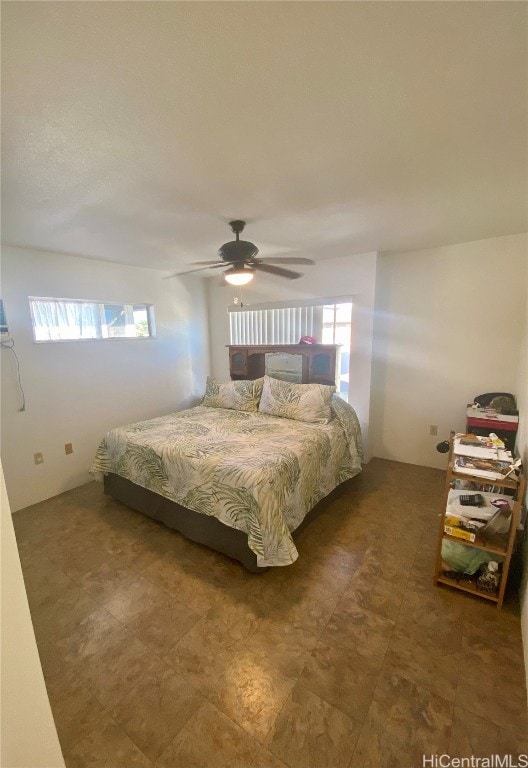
203	529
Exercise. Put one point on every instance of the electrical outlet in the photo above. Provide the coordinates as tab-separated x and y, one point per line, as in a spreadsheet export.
433	429
38	458
68	448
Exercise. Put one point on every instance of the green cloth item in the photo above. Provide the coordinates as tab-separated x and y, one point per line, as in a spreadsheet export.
466	559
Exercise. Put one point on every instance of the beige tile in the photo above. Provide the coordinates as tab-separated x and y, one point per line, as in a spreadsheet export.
130	598
254	590
124	534
252	693
198	592
57	666
239	620
361	632
490	650
326	622
203	654
310	604
46	519
34	555
404	722
162	624
310	732
75	711
210	739
332	565
100	583
376	595
431	615
92	634
171	573
113	671
142	547
156	709
107	747
385	561
426	663
472	735
342	677
45	582
158	541
490	630
422	573
59	616
283	644
78	556
402	557
494	693
265	759
225	572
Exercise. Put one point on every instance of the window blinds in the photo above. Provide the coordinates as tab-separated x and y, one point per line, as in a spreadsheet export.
281	323
284	325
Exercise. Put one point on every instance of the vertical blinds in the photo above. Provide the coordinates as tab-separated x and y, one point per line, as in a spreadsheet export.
279	324
283	325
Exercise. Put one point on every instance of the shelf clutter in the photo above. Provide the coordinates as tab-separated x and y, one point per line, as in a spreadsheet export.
483	420
481	512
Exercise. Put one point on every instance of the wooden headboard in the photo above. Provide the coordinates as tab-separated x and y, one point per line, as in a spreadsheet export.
319	361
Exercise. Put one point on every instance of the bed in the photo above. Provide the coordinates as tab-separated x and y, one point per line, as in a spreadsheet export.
240	482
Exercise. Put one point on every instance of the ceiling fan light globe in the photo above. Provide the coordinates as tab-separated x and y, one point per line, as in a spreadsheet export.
238	276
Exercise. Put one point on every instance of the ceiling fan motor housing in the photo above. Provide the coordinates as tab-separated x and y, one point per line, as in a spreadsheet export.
241	255
237	250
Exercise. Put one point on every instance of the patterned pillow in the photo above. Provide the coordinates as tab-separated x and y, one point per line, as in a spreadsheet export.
302	402
237	395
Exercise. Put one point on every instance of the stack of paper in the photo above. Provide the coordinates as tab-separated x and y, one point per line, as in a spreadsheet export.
484	513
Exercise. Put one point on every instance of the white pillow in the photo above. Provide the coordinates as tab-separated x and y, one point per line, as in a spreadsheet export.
242	395
302	402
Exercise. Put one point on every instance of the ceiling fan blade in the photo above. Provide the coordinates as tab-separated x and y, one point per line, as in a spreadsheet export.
286	260
190	271
277	271
203	263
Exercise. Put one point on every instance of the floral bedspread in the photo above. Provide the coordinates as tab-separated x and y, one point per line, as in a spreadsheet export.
260	474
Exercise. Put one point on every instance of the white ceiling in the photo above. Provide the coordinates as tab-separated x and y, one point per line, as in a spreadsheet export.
133	131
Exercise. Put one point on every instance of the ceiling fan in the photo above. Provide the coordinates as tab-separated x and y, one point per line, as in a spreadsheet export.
241	255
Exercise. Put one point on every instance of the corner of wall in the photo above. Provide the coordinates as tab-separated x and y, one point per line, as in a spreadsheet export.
379	357
29	737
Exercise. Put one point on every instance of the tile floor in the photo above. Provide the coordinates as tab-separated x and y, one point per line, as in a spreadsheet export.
159	652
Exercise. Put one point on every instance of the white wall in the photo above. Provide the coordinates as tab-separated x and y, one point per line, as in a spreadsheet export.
76	391
28	737
449	324
352	275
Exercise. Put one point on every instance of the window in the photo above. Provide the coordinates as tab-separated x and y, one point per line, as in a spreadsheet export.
337	329
72	320
327	320
4	329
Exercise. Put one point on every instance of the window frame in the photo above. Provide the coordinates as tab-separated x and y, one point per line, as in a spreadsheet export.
315	303
100	318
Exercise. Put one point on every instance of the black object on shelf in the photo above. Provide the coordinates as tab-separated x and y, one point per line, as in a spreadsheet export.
471	500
